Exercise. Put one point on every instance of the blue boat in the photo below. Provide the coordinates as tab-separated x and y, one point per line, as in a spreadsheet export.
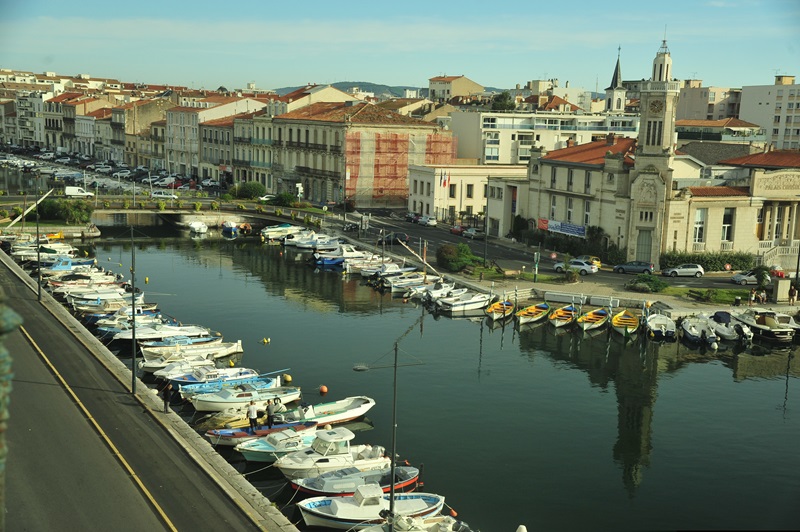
264	381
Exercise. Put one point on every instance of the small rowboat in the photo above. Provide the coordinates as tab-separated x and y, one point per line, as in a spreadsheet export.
500	310
625	322
594	319
533	313
561	317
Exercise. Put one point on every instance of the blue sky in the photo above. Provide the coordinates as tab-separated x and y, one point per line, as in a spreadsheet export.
203	44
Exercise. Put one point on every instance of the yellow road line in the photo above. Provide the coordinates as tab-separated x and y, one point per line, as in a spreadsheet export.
99	430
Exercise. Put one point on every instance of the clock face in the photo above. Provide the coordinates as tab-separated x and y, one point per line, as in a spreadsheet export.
656	106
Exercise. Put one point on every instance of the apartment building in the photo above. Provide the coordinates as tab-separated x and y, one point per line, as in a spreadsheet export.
83	106
87	139
777	109
463	194
54	118
30	117
696	102
130	123
494	137
353	151
445	88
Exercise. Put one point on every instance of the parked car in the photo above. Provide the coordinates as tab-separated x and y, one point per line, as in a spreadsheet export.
163	194
151	179
684	270
175	185
103	169
411	217
141	168
474	234
121	173
581	266
209	183
428	221
63	160
635	266
590	258
748	277
394	238
266	197
458	230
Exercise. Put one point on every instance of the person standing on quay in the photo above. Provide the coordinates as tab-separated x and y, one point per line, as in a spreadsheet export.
792	294
270	413
166	394
252	415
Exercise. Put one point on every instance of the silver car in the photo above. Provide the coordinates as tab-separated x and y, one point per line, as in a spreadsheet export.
684	270
749	277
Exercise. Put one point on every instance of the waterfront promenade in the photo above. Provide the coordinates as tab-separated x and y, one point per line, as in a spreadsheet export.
83	452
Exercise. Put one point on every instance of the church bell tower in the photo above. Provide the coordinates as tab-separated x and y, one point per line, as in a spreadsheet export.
658	104
615	92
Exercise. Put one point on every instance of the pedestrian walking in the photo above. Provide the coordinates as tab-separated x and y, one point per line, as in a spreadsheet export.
752	296
166	395
270	413
792	294
252	415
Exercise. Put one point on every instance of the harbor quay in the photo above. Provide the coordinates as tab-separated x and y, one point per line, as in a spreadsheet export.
153	468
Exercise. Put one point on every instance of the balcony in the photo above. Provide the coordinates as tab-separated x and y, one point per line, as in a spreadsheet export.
260	164
241	162
726	246
116	142
68	135
242	140
52	127
698	247
263	142
314	172
118	125
336	149
157	138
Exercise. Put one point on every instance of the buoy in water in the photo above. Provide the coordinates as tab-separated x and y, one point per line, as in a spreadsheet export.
265	341
146	280
287	378
231	363
323	389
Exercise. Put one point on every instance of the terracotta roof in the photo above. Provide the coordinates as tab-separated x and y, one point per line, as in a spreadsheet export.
445	78
159	123
398	103
102	113
226	121
65	96
771	159
187	109
719	191
131	105
358	113
594	152
725	122
556	102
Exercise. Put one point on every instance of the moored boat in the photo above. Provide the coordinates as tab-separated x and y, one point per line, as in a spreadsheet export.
533	313
563	316
625	322
241	396
464	302
660	327
279	443
206	350
366	507
198	227
593	319
345	481
233	437
500	310
696	330
724	326
766	325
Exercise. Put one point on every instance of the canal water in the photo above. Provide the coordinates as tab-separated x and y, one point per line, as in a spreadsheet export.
514	427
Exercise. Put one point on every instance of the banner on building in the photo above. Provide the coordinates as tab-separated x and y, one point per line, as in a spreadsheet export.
564	228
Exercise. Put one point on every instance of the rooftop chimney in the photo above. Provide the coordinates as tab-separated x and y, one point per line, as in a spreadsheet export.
570	143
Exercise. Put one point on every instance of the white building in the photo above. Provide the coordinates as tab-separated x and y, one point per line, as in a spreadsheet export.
776	108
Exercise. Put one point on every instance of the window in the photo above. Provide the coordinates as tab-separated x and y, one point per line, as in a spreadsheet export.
645	216
452	191
569	210
415	186
428	189
587	210
654	132
492	154
727	224
553	177
569	179
470	189
493	138
587	182
489	122
469	210
700	225
552	207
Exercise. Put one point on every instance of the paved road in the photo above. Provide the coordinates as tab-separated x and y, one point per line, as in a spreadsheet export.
62	475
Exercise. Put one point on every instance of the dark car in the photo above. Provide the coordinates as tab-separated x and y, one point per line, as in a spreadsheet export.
635	266
412	217
394	238
458	230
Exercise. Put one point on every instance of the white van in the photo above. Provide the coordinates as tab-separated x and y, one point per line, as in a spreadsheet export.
77	192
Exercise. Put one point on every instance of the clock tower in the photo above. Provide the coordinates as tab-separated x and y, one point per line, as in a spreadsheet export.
658	103
651	176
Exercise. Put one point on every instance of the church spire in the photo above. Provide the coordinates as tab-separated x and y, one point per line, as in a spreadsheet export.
616	79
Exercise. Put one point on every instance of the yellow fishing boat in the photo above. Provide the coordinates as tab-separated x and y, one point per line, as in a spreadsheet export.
625	322
533	313
593	319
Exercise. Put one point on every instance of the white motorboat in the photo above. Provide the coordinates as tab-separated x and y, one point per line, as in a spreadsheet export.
172	366
292	238
465	301
277	444
433	523
275	232
159	332
340	482
209	351
726	327
695	329
220	375
198	227
366	507
431	290
331	450
660	327
241	396
386	269
766	325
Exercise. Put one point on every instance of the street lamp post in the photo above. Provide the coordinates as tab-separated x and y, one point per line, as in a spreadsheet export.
486	224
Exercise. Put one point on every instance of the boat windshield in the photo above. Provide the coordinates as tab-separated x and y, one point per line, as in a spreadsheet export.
329	447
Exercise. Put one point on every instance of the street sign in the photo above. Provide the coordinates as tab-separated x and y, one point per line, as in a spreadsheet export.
727	267
553	255
536	257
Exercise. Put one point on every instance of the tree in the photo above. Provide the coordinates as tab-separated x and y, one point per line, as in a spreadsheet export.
503	102
249	190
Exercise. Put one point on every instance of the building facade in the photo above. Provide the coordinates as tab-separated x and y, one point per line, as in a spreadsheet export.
776	108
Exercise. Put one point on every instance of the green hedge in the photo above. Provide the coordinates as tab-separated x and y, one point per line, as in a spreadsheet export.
710	262
454	258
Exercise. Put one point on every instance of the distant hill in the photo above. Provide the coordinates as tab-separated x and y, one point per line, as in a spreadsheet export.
376	88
